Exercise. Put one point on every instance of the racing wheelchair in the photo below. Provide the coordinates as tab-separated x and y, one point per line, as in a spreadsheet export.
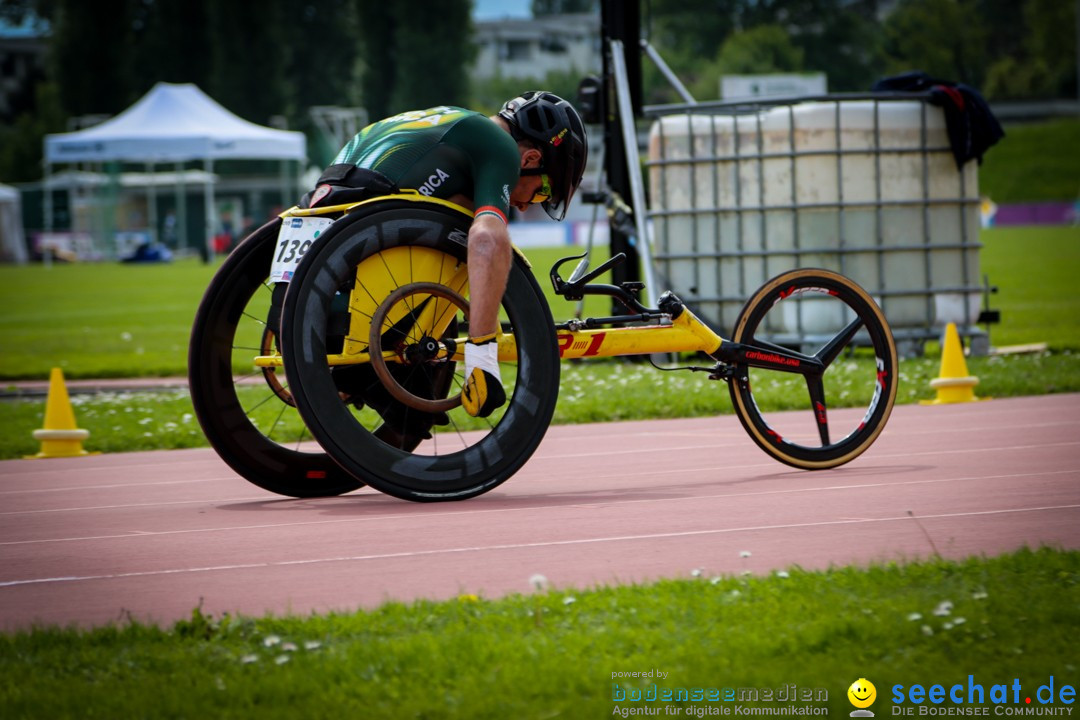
327	354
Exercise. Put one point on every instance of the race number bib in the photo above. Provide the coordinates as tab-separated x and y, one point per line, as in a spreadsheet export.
293	241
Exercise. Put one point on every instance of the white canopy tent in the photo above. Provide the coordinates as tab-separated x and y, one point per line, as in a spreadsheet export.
173	123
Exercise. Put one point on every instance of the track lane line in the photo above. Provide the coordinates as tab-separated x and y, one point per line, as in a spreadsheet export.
532	508
164	503
668	448
517	546
75	488
504	510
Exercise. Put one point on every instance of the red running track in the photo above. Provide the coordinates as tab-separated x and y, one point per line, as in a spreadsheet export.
151	535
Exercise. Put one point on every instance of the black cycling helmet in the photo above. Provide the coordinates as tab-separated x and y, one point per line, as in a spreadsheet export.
555	127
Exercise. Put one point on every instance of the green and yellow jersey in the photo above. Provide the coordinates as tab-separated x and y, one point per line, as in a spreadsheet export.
442	152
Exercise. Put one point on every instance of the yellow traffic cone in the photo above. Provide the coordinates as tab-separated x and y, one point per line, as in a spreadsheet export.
60	437
953	383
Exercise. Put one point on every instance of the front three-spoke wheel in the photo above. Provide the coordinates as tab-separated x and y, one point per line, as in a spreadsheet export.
818	353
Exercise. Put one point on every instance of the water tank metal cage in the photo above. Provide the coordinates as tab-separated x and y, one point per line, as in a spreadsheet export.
863	184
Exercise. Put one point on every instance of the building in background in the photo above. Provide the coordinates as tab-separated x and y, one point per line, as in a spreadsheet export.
531	48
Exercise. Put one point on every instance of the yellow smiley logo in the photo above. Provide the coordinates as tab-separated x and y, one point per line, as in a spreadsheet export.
862	693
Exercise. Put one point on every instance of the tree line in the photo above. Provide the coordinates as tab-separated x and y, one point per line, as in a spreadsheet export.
264	60
1008	49
268	59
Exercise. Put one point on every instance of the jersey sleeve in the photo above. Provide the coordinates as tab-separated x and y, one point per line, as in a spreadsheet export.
495	162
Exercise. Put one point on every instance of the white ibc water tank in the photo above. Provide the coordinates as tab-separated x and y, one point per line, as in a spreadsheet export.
865	187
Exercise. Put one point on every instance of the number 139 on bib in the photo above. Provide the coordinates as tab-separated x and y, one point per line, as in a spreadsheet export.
294	239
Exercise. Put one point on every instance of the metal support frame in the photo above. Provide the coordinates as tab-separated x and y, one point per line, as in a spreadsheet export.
633	164
667	72
736	212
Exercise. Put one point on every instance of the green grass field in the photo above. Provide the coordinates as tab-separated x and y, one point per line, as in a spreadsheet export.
98	320
554	654
1035	270
112	320
1035	162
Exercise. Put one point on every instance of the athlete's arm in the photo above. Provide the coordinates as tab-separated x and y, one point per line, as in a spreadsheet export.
495	169
490	255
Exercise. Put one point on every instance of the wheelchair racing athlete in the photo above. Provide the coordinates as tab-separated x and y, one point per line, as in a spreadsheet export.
533	151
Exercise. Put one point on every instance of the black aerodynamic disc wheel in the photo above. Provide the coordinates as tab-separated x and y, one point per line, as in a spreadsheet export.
247	412
396	423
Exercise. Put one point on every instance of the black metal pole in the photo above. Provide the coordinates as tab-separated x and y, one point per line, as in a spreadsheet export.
621	20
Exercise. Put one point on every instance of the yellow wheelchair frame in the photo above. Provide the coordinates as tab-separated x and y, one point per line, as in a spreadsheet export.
375	305
684	333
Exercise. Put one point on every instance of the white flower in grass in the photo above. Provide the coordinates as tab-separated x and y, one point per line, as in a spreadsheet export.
912	617
271	641
538	581
782	574
927	630
569	600
735	593
947	626
944	608
979	595
744	554
248	659
281	659
716	580
288	647
959	621
696	572
125	336
312	645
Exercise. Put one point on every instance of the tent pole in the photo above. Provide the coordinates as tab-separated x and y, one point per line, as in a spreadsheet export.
110	192
47	199
151	203
181	208
99	194
208	199
72	189
47	211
